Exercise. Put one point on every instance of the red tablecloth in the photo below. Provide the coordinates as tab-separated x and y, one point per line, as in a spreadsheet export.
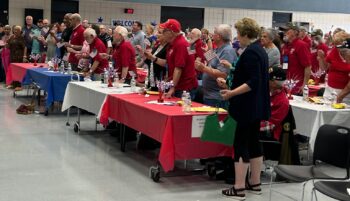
19	70
141	75
166	124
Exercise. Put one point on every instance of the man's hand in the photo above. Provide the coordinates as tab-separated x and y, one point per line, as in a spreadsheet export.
199	65
226	94
221	82
225	63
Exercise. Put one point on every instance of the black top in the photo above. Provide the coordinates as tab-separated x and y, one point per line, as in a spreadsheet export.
252	69
158	71
66	34
105	38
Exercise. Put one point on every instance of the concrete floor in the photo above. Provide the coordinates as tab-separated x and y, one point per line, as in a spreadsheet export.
43	160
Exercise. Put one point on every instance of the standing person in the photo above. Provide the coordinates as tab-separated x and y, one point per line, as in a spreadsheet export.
317	45
123	55
215	69
105	38
5	51
18	50
67	30
86	24
299	58
208	45
180	62
138	36
28	33
50	42
98	63
304	36
267	38
150	36
337	62
249	104
76	41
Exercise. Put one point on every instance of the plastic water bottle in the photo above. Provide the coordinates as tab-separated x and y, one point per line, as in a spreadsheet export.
188	103
306	93
146	81
183	99
151	76
105	76
69	69
62	67
133	84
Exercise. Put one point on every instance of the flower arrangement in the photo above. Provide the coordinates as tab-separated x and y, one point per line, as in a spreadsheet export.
111	72
317	75
35	58
162	87
54	62
289	85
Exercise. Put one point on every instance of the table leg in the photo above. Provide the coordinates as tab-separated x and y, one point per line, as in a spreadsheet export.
122	138
68	115
77	124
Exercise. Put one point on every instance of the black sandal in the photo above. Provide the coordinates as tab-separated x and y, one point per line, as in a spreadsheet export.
252	188
233	193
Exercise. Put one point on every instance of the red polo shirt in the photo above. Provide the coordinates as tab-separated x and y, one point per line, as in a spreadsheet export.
77	38
279	111
298	59
338	71
308	41
124	56
315	64
98	45
199	51
177	56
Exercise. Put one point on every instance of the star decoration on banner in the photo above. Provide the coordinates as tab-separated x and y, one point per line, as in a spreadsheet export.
100	20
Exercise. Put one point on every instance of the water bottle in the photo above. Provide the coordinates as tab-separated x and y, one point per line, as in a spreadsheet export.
62	67
69	69
105	76
306	93
151	76
183	99
188	103
133	84
146	80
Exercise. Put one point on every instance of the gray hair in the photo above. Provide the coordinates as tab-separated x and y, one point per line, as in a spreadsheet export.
225	32
122	31
196	32
271	33
90	32
76	16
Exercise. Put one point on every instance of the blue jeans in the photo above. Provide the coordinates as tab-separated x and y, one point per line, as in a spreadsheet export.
178	93
216	103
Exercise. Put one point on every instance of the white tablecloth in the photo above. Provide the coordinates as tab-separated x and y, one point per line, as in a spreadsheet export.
89	95
310	117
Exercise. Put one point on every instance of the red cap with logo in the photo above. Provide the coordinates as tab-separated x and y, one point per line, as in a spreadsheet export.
172	25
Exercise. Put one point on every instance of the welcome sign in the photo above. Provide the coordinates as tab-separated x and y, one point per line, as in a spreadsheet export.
122	22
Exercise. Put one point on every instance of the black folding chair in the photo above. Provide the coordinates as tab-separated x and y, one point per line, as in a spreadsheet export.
335	189
331	147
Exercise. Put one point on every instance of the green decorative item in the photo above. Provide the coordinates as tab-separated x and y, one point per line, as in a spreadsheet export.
219	132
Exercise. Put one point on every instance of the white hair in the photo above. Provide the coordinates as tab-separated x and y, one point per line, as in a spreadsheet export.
196	32
271	33
225	31
122	31
90	32
76	16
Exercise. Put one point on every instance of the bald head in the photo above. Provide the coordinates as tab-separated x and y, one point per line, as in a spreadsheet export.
75	19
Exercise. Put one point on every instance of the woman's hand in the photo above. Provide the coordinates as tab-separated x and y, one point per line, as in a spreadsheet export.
226	94
225	63
221	82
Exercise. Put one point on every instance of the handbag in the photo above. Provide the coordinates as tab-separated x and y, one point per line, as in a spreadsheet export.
219	132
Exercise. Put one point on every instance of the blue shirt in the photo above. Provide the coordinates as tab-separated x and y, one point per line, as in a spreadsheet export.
211	89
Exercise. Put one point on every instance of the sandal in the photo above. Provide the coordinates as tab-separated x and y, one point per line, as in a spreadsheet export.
234	193
253	188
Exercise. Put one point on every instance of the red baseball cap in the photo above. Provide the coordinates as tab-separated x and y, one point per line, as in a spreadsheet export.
172	25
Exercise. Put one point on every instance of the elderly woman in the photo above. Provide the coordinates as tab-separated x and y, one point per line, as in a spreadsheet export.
338	64
206	40
215	69
249	104
267	38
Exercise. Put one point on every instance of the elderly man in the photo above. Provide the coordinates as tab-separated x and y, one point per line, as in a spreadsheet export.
180	62
86	24
105	38
303	35
138	37
123	55
299	58
96	48
76	40
196	44
317	45
211	91
67	30
28	34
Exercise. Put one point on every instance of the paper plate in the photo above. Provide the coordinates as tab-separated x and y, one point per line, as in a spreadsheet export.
206	109
152	92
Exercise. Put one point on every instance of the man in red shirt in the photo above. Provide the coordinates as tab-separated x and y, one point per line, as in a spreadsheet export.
180	63
76	40
299	58
303	35
96	48
196	47
317	45
124	54
279	103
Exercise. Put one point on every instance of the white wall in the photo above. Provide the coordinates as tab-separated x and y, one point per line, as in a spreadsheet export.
16	9
93	9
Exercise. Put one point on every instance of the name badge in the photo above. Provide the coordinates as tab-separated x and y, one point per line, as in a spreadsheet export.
285	62
191	50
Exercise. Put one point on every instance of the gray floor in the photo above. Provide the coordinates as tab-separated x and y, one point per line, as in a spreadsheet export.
43	160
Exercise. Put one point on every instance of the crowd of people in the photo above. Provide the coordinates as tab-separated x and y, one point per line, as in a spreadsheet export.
244	75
